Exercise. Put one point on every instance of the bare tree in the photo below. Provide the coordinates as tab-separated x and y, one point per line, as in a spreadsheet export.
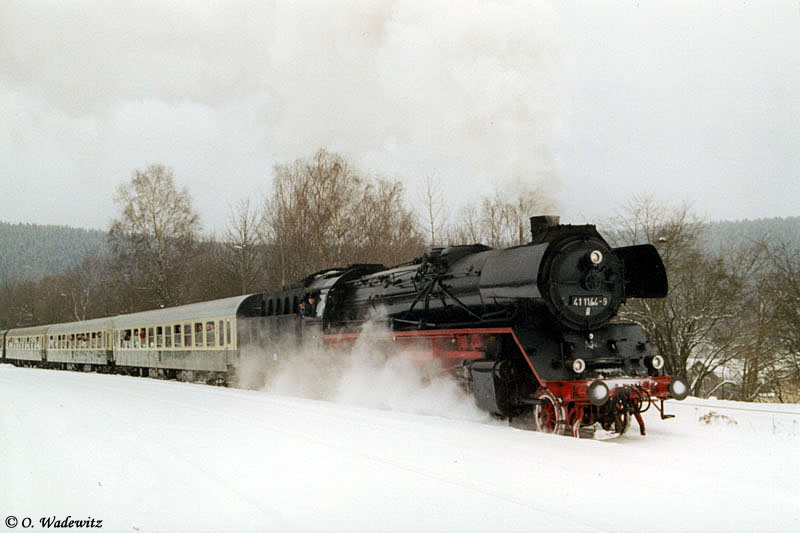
387	228
156	232
466	227
323	213
434	209
308	217
499	220
85	287
782	297
245	252
695	327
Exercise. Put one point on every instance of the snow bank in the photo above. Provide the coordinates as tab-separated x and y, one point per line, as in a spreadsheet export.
149	455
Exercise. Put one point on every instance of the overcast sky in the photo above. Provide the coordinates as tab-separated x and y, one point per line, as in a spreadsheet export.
592	101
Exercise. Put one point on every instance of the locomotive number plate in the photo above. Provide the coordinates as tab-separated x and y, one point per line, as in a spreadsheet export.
588	301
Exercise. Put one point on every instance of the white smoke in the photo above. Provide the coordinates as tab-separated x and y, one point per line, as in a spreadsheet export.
466	90
372	373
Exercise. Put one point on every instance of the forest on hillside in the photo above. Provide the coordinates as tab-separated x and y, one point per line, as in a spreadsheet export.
31	252
729	324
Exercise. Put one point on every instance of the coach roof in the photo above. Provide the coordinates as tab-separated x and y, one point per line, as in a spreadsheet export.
84	325
28	331
236	305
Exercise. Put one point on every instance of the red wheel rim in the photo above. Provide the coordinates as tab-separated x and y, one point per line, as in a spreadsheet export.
547	414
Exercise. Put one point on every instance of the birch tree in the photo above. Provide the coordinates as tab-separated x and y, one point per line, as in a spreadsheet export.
156	232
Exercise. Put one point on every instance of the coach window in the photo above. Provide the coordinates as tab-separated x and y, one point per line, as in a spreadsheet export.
228	332
137	338
159	336
187	335
198	334
150	338
286	308
269	307
178	338
210	337
168	337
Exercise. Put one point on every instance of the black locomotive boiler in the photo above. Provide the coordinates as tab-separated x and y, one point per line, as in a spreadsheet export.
529	329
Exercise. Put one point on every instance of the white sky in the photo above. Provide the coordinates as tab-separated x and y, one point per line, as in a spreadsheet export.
595	101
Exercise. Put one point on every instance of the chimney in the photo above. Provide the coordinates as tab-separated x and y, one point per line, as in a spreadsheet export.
542	223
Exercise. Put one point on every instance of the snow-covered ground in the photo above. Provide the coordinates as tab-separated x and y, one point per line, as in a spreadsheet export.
150	455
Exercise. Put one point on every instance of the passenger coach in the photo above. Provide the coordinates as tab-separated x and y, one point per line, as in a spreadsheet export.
187	342
26	345
82	345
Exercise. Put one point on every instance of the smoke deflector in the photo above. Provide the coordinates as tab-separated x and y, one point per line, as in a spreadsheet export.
645	275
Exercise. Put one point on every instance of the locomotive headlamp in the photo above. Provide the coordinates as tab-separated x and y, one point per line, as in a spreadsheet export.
678	389
596	257
598	393
578	366
658	362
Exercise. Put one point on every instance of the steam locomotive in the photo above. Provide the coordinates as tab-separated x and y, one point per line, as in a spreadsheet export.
528	329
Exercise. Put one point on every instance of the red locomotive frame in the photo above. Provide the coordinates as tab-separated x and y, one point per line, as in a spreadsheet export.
559	406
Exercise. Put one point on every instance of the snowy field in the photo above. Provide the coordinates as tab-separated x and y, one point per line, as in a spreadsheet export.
149	455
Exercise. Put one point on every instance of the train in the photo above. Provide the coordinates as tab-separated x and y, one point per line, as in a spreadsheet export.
531	331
